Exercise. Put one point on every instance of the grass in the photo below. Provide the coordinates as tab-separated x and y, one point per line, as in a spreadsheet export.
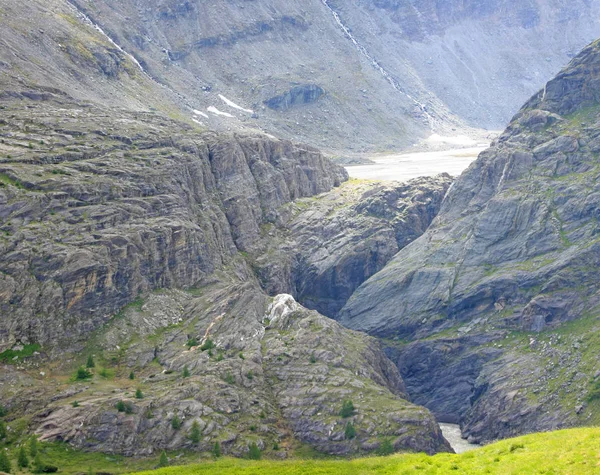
27	351
575	451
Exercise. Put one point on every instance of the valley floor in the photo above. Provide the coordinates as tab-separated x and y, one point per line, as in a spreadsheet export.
406	166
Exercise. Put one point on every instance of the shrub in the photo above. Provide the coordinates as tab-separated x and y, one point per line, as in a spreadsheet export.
313	360
250	375
104	373
186	372
386	448
132	375
125	407
350	431
192	342
253	451
75	404
82	374
229	378
163	461
217	449
40	467
347	409
22	460
208	345
3	411
275	446
139	394
90	362
5	465
195	432
176	422
33	447
2	430
515	447
594	392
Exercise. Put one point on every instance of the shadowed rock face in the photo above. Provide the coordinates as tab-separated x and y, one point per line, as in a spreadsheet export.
296	96
321	249
514	248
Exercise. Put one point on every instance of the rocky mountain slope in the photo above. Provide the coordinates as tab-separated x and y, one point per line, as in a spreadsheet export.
345	75
126	237
492	314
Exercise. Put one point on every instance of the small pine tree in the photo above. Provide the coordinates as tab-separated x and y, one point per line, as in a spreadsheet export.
120	406
350	431
2	430
186	372
347	409
38	466
139	394
386	448
82	374
3	411
33	447
253	451
75	404
163	461
217	449
90	362
132	375
5	465
195	432
208	345
176	422
22	459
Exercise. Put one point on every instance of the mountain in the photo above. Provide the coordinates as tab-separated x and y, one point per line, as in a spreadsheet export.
348	76
492	314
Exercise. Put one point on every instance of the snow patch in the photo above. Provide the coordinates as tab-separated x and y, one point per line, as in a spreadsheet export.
198	122
197	112
216	111
234	105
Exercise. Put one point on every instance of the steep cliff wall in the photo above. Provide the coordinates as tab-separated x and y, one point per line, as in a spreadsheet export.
507	267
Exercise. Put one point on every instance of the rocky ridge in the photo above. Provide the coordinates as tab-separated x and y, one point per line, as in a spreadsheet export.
126	236
498	300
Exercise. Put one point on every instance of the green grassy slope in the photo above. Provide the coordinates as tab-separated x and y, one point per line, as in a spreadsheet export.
575	451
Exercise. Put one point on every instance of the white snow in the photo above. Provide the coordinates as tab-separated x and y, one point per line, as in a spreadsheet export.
198	122
216	111
197	112
234	105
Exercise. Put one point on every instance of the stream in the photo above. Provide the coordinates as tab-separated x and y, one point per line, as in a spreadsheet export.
452	434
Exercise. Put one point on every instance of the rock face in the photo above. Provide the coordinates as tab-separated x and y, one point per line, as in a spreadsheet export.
407	66
97	210
321	249
127	236
258	370
509	260
296	96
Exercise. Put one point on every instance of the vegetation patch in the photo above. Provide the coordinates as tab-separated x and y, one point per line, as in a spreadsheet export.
25	352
